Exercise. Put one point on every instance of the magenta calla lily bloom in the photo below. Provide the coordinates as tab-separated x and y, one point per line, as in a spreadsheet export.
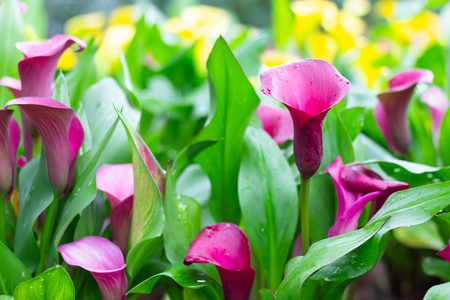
391	110
116	181
277	122
309	88
36	72
226	246
445	253
9	142
438	104
103	259
62	135
356	186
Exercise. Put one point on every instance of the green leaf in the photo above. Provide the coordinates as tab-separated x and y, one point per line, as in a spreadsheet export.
91	219
60	91
54	283
147	221
439	267
267	294
127	81
438	292
353	119
422	147
422	236
444	139
269	203
12	31
236	100
405	208
98	102
282	19
187	277
5	297
36	17
12	271
82	194
36	194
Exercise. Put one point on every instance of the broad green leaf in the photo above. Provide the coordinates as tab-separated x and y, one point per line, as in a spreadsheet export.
269	203
433	59
405	208
422	236
438	292
54	283
444	139
98	103
60	91
187	277
236	100
91	219
12	31
282	20
12	271
436	266
36	194
147	221
127	81
267	294
422	147
82	76
353	120
82	194
183	215
413	173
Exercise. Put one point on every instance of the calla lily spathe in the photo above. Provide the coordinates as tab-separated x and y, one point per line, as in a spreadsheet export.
356	186
226	246
309	88
277	122
391	110
116	181
103	259
36	72
9	142
62	135
437	103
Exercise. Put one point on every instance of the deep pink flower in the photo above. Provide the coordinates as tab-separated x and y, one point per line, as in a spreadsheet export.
226	246
438	104
356	186
9	142
62	135
36	72
103	259
116	181
391	110
277	122
309	88
445	253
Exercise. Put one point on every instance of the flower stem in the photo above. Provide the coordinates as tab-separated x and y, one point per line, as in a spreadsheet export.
304	198
2	220
47	234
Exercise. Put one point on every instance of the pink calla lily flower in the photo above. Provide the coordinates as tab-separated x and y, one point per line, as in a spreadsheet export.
103	259
356	186
391	110
62	135
116	181
9	142
226	246
445	253
309	88
277	122
438	104
36	72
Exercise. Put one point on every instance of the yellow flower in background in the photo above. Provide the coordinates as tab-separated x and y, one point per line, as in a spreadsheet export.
86	26
123	15
30	33
200	21
367	62
348	32
322	46
310	14
116	38
68	60
425	27
385	8
272	58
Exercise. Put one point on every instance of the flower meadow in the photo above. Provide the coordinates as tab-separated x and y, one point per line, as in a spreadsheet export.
184	155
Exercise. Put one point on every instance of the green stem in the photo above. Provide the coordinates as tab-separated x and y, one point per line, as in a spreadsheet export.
304	198
47	234
2	220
